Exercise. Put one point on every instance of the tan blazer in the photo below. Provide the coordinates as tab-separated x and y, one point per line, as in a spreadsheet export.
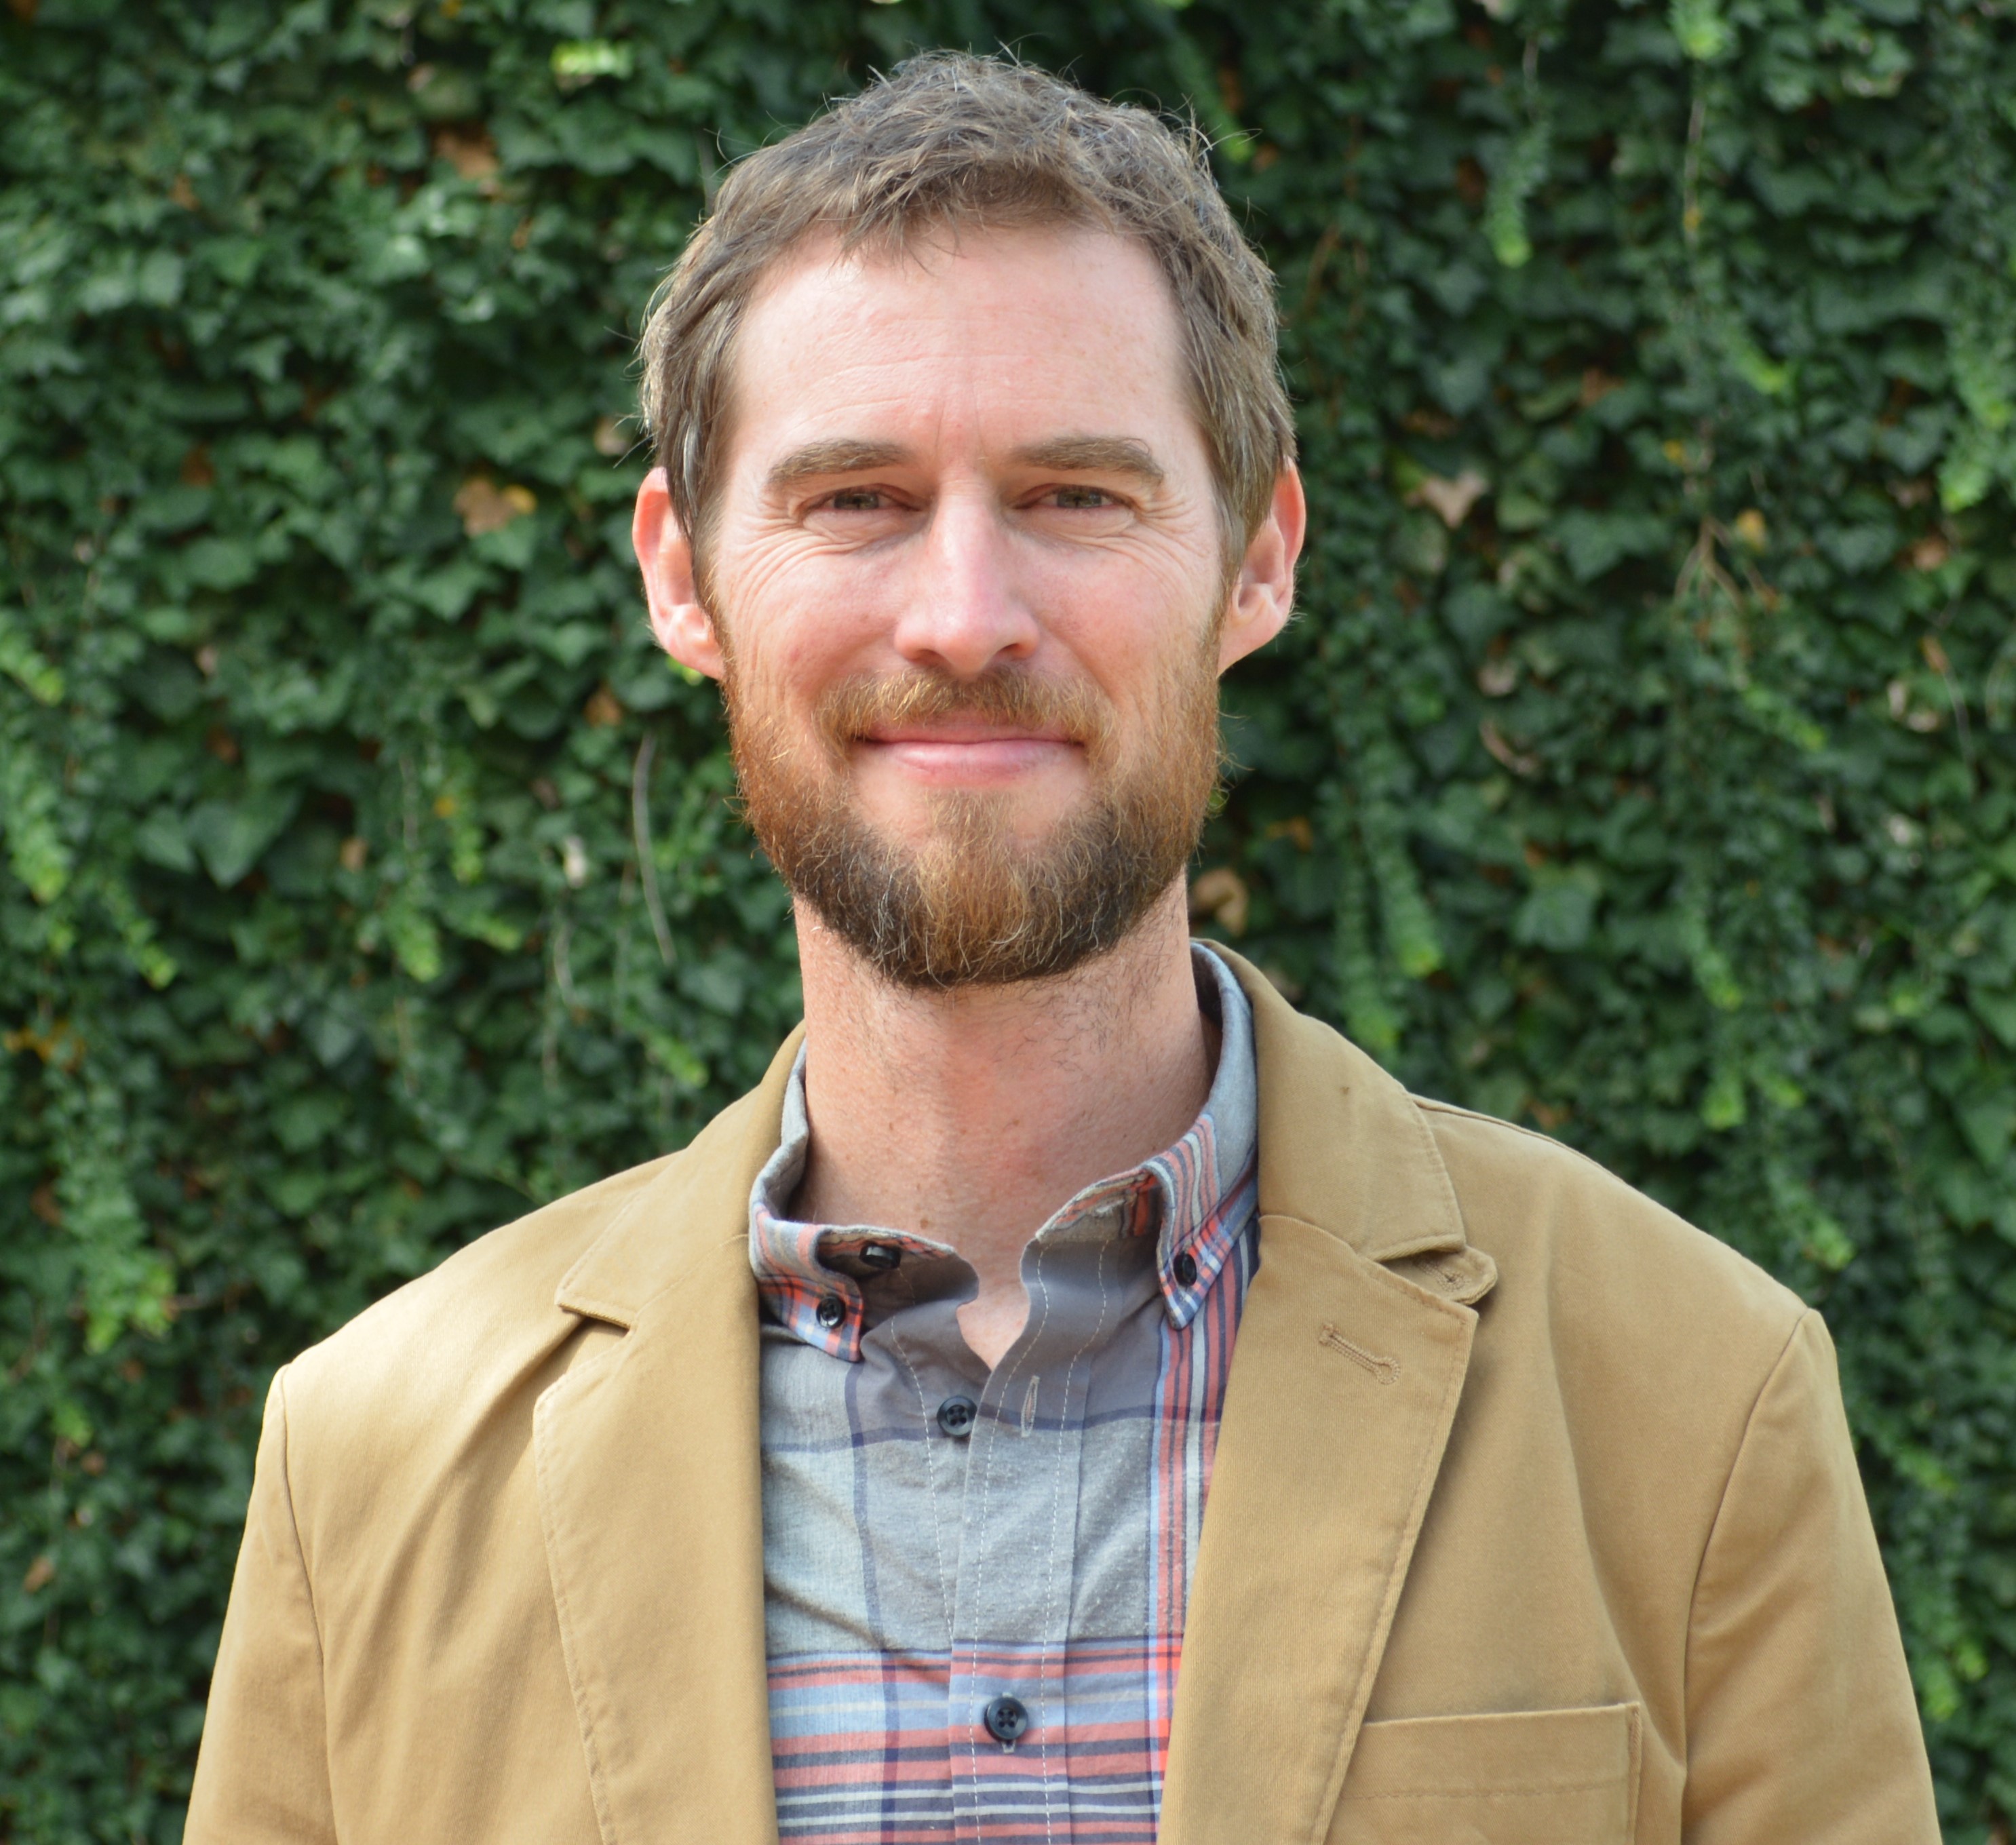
1534	1521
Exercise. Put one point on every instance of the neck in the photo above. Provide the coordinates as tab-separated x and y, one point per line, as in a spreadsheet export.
971	1115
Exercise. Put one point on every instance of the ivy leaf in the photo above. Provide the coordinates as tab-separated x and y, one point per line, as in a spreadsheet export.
231	836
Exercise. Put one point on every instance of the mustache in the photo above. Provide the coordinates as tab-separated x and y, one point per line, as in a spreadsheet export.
1009	696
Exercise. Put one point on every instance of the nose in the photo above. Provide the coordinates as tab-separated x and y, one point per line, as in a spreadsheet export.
964	610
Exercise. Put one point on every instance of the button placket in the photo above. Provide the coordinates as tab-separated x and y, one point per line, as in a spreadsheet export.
944	1495
1015	1576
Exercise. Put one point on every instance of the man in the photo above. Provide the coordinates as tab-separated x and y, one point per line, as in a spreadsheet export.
1075	1397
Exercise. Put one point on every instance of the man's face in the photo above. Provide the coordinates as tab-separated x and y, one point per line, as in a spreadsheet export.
967	592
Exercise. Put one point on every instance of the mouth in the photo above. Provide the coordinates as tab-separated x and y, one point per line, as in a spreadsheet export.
967	753
962	728
1001	733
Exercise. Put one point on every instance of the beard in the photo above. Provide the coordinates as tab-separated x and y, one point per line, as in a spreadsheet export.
973	905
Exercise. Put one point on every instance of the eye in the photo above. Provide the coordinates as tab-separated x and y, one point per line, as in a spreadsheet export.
1082	499
856	499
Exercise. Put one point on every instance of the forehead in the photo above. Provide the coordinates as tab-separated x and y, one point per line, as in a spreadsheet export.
988	337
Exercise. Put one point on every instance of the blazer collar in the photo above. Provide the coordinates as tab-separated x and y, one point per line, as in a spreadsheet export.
700	1197
1342	1148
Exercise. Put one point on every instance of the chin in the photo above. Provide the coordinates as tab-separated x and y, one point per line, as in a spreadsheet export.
914	817
1019	832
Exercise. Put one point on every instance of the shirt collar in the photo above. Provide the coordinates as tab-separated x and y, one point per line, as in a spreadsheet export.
1195	1197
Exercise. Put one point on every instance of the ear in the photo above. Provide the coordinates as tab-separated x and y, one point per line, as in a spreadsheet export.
1265	591
664	554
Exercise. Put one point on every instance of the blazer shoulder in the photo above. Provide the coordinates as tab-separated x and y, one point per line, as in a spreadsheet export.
1548	1213
486	1314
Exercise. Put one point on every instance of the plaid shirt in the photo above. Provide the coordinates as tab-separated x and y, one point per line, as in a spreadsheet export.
916	1568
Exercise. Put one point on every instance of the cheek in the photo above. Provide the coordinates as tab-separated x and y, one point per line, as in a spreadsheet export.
791	625
1134	623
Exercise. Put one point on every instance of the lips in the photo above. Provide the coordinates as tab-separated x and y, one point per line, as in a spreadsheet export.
973	755
956	735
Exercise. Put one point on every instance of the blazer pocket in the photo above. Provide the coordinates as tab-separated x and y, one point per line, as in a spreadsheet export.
1517	1778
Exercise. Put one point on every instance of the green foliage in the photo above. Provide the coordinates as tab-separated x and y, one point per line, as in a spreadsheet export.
1641	766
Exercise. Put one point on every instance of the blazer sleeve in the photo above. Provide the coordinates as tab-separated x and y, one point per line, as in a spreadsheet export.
262	1772
1801	1720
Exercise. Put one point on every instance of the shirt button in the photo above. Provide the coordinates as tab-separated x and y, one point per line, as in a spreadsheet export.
1184	1269
830	1311
956	1416
1007	1719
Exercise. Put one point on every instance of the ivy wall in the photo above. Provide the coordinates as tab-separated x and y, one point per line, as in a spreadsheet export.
1641	765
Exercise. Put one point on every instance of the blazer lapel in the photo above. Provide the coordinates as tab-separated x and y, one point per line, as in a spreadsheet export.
1350	1361
650	1499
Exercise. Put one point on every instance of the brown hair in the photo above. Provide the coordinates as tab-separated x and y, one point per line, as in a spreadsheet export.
950	139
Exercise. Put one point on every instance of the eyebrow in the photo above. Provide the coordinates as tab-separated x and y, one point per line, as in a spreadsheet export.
837	454
1093	454
1068	455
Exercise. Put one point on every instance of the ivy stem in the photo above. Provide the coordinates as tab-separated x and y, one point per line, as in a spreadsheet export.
640	827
